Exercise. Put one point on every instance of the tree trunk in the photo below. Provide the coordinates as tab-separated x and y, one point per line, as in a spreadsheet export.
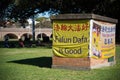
33	28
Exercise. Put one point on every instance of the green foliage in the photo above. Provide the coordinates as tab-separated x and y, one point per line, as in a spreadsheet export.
23	9
41	19
35	64
3	5
43	22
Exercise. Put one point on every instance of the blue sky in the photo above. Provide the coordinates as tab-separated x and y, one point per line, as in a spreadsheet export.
45	14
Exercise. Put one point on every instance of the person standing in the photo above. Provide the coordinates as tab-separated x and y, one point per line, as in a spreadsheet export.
6	42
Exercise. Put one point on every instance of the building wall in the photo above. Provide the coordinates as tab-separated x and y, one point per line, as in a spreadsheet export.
19	32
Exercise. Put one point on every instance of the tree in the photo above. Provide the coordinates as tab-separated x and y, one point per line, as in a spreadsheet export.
23	9
3	5
43	22
19	9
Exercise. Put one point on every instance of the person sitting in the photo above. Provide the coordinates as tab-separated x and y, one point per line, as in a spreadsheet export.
38	43
21	44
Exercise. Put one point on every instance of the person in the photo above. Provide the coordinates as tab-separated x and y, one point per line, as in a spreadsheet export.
6	42
21	44
27	41
38	43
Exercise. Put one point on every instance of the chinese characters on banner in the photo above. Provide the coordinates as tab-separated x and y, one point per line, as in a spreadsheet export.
103	39
71	38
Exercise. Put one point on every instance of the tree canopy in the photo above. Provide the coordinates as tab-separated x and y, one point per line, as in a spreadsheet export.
43	22
3	5
23	9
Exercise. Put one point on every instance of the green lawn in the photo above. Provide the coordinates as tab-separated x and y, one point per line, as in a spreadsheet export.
35	64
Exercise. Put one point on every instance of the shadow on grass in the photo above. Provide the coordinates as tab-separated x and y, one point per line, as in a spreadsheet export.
41	62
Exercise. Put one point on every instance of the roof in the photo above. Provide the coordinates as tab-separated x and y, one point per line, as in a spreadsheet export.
83	16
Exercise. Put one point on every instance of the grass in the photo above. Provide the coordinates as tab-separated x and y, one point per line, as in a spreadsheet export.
35	64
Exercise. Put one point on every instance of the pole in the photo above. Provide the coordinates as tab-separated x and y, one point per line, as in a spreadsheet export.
33	29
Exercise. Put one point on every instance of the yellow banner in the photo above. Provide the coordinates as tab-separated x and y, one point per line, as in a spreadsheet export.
71	38
103	40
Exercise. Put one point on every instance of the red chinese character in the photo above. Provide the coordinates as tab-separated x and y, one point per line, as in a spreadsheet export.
70	28
85	27
78	28
56	27
63	27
